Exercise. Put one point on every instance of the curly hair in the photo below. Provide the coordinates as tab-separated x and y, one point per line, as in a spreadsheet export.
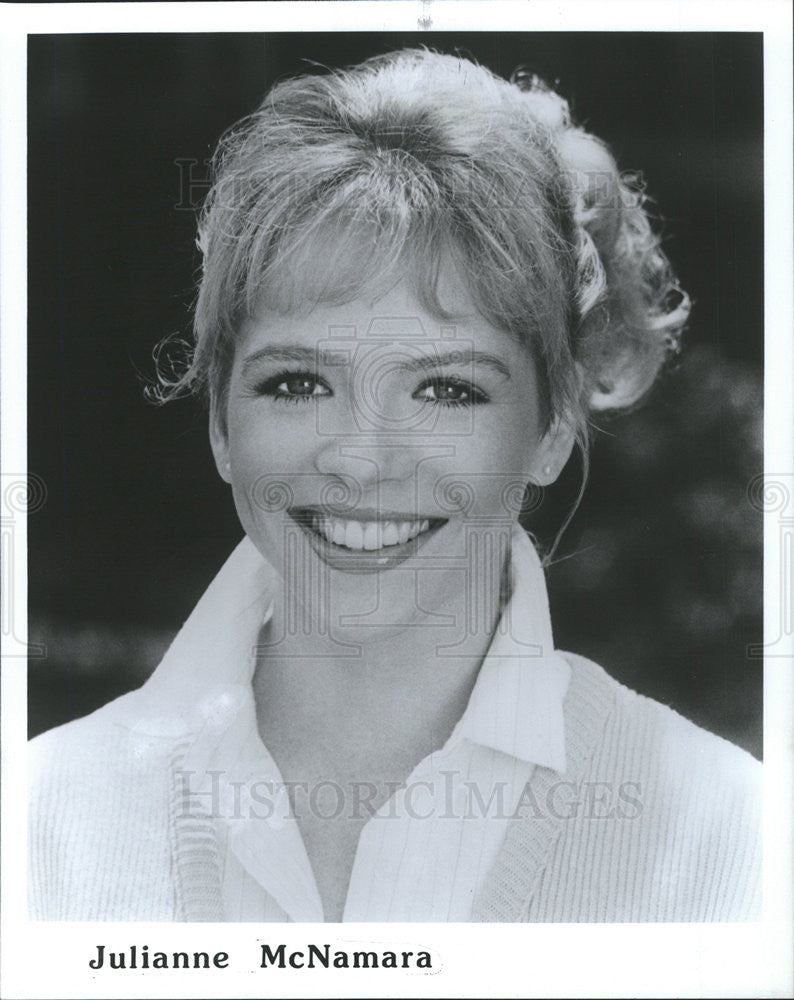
347	180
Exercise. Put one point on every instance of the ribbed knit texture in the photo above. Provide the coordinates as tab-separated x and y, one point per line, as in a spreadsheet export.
672	833
194	850
682	844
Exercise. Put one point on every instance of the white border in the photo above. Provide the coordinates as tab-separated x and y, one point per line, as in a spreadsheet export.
398	15
48	960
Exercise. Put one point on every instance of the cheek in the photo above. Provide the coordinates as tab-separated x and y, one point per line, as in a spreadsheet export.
266	444
504	438
488	472
266	455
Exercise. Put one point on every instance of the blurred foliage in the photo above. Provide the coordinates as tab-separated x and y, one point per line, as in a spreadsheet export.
660	576
85	665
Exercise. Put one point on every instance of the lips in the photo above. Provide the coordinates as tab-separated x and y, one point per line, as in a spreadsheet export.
370	541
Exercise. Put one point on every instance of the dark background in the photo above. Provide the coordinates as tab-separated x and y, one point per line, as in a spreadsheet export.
659	578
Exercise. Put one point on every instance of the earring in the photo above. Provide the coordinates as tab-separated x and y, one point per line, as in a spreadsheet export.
546	470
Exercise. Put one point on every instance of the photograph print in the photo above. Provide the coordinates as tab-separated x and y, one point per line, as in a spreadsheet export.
399	402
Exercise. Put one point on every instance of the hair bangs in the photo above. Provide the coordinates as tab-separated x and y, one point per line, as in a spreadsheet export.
384	223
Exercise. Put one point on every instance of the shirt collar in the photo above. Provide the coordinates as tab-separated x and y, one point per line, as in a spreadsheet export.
516	706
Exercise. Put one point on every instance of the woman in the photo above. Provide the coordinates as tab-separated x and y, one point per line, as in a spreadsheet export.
420	282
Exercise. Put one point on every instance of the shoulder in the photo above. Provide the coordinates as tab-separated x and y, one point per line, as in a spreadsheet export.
599	708
111	757
677	809
116	738
99	789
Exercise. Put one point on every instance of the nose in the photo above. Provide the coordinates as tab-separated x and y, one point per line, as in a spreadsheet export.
377	432
371	436
367	459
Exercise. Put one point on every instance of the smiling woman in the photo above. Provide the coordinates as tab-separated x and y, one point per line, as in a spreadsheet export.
462	405
420	281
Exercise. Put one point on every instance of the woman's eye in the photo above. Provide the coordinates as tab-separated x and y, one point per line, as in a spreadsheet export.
451	392
294	387
301	386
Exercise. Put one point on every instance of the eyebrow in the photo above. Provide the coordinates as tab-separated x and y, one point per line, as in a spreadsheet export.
461	356
308	355
285	353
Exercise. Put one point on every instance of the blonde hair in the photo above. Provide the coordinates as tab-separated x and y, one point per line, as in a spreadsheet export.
381	169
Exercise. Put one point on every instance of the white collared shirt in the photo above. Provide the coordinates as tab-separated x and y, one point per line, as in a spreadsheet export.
425	854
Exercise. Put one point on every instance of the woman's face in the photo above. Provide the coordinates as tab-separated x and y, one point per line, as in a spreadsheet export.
374	438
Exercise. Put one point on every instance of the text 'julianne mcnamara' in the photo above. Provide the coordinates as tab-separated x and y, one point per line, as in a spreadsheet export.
311	956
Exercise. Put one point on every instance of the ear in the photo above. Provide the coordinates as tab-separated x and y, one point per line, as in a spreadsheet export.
553	451
219	439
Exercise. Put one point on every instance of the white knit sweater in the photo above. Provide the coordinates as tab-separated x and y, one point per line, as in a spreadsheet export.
673	834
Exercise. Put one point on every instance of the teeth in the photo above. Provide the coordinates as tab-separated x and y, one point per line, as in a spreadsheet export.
354	535
367	535
390	534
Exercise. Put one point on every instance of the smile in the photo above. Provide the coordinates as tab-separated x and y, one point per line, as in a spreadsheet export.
371	541
369	535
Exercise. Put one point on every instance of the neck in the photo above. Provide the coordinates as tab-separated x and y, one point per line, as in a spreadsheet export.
327	662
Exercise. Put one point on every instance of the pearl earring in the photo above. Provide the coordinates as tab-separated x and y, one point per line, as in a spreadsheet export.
546	470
